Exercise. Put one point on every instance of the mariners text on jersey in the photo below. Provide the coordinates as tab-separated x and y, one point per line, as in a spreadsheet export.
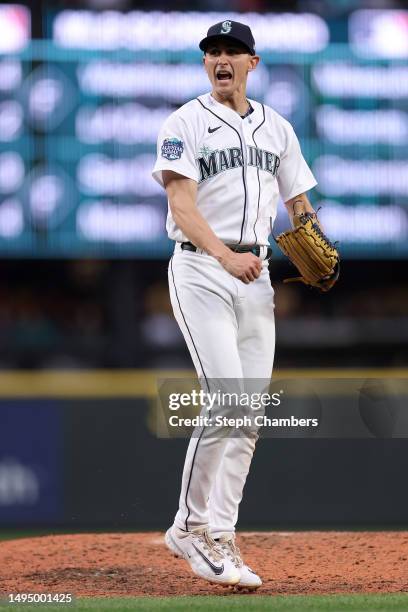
218	161
246	163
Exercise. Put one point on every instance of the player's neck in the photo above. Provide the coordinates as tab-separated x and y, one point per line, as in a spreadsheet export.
237	101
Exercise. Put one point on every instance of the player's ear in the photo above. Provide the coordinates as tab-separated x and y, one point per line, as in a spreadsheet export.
253	62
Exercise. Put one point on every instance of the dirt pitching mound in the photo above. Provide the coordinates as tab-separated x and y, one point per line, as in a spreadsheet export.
119	565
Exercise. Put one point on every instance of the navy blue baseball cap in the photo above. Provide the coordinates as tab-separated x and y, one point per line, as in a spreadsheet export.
233	30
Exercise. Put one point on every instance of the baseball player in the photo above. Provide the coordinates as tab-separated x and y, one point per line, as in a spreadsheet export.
223	160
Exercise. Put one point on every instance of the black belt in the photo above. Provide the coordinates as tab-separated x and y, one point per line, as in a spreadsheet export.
237	248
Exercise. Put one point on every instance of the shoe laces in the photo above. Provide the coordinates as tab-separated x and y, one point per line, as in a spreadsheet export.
213	549
229	546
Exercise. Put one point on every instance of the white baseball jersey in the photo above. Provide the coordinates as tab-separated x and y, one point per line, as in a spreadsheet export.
241	166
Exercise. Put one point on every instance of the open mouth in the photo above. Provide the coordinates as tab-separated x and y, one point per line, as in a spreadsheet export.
224	75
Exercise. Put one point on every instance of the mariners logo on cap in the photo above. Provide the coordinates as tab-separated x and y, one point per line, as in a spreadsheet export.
172	148
226	27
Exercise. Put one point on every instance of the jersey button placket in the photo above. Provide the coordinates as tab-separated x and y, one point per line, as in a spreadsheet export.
244	130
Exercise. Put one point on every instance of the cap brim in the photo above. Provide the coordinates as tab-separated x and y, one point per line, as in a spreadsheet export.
208	39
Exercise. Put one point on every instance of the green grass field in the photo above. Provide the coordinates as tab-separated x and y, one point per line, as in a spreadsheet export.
320	603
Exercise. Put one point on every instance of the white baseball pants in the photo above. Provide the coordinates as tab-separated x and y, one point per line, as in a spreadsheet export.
229	329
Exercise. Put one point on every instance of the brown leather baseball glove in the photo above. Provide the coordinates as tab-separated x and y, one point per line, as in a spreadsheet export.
312	253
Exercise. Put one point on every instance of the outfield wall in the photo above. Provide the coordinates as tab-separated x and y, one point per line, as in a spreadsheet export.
80	450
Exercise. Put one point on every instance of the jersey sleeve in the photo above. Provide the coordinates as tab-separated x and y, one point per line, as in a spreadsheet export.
294	175
175	149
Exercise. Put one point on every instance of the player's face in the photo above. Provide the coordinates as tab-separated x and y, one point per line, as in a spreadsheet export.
227	65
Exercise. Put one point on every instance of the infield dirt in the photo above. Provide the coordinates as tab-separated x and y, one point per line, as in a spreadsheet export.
134	564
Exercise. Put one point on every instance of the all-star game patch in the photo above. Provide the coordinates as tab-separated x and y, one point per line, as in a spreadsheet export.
172	148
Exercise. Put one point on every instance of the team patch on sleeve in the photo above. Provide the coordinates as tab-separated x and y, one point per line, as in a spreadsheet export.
172	148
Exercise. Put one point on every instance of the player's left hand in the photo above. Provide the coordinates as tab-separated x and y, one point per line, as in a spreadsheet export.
309	249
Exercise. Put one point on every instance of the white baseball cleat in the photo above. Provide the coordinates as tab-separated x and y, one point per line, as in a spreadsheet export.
204	555
248	579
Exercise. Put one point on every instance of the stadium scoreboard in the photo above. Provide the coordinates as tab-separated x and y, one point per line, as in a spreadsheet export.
81	110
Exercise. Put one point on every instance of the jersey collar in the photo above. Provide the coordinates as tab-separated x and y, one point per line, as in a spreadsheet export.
230	115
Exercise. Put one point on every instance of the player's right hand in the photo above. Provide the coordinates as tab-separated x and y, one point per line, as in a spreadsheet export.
245	266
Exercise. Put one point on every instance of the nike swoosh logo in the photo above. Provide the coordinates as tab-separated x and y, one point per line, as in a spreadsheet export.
217	570
211	130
